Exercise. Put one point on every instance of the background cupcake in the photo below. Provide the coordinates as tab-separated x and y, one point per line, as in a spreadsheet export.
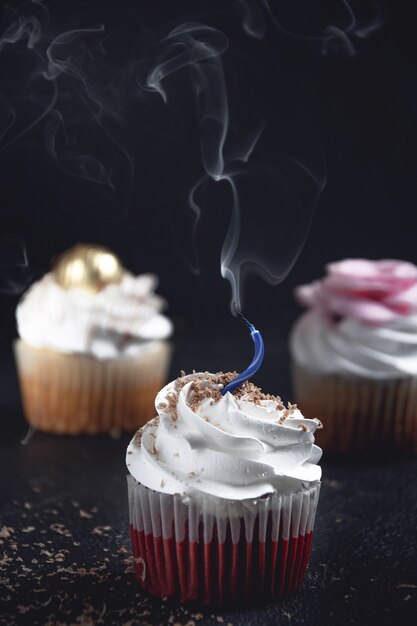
223	492
354	354
92	351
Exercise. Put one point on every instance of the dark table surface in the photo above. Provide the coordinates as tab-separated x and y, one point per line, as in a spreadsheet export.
65	554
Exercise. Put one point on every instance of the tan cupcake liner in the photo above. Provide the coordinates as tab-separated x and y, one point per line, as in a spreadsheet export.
74	394
358	413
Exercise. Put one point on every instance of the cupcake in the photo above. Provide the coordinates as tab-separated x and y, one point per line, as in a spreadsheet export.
354	355
223	493
92	349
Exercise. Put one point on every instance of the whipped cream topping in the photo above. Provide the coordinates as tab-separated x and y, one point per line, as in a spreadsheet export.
237	446
352	347
121	319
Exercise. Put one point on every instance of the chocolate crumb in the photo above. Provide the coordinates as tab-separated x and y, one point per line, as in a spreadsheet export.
172	398
137	439
153	449
207	386
5	532
288	412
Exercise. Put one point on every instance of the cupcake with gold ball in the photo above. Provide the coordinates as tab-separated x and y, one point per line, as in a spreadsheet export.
92	349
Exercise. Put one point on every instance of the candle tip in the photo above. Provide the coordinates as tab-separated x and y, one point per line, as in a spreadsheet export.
246	321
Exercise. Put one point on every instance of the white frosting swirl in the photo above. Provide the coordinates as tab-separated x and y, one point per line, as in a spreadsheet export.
229	448
121	319
352	347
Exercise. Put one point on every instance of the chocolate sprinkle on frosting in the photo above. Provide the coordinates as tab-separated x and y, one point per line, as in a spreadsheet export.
201	390
207	385
137	439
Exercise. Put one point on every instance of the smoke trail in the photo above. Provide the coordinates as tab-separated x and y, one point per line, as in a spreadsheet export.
259	184
78	100
12	250
252	14
68	89
334	37
15	280
61	86
80	165
13	263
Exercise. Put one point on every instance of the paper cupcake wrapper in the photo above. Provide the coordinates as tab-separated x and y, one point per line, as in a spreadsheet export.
74	393
359	414
214	552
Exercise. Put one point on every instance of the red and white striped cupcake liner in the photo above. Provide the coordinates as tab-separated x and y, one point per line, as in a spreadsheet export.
217	552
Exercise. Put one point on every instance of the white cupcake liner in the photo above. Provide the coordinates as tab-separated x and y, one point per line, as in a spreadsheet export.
213	551
76	393
359	414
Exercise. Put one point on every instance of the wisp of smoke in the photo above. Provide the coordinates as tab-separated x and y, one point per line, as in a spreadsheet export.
13	263
64	87
78	99
68	87
336	35
264	189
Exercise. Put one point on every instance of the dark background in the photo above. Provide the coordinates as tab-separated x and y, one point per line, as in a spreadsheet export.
358	114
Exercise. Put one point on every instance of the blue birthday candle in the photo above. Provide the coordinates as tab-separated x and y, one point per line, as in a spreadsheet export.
256	361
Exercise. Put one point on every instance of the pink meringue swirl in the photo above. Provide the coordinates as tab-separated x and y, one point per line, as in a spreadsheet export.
372	292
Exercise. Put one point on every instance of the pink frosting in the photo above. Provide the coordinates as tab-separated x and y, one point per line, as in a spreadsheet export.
373	292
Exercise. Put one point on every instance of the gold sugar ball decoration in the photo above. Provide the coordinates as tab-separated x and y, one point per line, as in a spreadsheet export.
87	267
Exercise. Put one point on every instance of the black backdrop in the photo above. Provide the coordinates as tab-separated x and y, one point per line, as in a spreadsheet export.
361	108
